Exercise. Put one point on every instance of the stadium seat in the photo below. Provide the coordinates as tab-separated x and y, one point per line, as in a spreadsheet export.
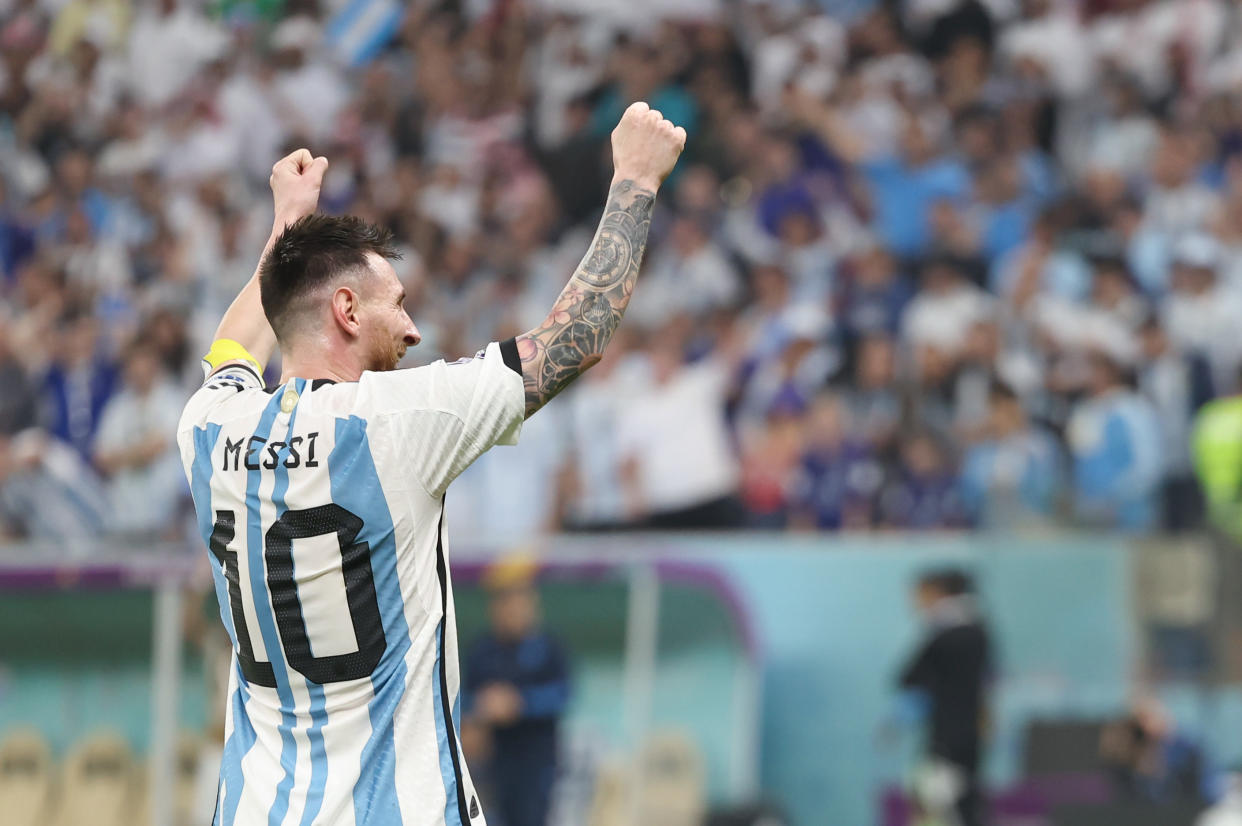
609	800
673	781
186	809
97	782
25	778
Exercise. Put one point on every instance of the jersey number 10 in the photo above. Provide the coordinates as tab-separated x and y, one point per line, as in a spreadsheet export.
360	595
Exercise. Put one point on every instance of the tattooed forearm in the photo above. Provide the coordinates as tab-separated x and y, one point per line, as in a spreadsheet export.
573	336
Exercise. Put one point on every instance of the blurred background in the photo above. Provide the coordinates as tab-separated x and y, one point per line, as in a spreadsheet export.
913	479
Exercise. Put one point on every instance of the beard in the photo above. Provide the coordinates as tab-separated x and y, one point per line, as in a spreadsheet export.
386	354
392	358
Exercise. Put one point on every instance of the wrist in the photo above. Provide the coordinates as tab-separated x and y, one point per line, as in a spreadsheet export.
286	217
647	182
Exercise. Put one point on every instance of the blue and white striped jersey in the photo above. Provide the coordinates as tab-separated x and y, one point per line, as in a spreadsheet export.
322	505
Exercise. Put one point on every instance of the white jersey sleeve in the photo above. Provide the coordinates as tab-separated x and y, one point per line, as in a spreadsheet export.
219	388
447	414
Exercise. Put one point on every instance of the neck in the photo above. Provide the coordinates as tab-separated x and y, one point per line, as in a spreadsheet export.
320	362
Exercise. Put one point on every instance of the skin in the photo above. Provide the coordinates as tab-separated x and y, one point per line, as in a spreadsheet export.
925	598
362	325
573	336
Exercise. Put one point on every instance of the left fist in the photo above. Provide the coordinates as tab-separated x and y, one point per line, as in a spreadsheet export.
296	180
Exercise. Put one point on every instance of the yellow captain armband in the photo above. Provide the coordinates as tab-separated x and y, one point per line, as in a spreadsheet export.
225	350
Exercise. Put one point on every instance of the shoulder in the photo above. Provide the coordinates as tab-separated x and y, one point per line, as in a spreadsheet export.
446	386
965	637
230	391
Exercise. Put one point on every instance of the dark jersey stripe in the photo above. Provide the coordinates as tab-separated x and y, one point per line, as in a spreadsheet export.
442	573
509	352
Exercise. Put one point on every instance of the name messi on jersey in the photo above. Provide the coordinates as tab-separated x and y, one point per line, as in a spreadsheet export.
255	453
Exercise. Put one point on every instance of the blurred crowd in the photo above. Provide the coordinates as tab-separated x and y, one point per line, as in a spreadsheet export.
924	264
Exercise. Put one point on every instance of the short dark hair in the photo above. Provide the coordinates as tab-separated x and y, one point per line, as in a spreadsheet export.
311	252
952	582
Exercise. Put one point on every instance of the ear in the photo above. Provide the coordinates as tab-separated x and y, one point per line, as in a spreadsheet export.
345	308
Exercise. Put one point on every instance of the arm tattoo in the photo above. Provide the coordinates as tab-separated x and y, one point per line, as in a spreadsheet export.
574	334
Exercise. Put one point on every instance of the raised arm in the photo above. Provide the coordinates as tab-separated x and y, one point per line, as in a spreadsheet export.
823	120
574	334
295	182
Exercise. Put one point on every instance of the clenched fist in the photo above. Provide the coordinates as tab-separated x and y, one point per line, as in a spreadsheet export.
296	179
645	146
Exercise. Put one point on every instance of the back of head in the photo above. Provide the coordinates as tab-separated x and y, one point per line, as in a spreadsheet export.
309	259
949	582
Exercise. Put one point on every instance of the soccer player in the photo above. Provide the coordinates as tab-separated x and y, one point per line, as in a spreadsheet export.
322	499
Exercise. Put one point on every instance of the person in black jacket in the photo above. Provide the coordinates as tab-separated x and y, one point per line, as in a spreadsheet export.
949	671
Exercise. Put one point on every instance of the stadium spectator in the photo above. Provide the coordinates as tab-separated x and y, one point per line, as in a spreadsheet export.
1199	312
874	298
78	384
832	158
18	403
679	468
903	185
596	496
1115	442
516	690
691	274
948	674
839	476
1149	758
944	308
787	378
923	492
874	396
1115	298
17	240
136	452
49	494
1009	476
1178	386
169	41
770	452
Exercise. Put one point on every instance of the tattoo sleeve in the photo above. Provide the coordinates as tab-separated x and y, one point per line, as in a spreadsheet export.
574	334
